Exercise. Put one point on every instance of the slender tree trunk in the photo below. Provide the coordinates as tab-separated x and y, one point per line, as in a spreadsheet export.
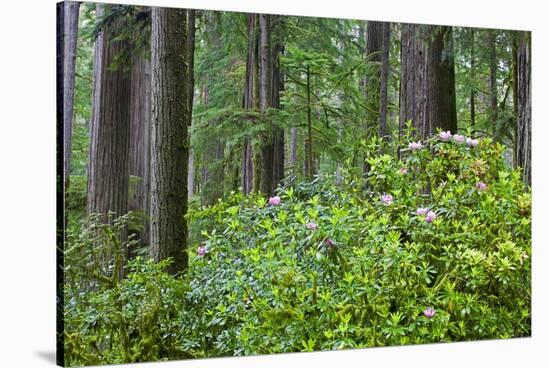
277	87
190	96
384	72
472	76
493	108
266	79
308	144
108	177
293	148
140	138
523	150
70	36
515	89
169	141
250	101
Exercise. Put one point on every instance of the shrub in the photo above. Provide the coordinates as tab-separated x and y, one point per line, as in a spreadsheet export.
432	247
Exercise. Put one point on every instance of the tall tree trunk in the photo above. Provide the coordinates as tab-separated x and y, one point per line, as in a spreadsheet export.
190	95
442	95
493	108
413	83
277	87
384	72
523	150
108	176
308	142
266	79
169	141
472	75
249	99
70	36
140	140
515	89
375	35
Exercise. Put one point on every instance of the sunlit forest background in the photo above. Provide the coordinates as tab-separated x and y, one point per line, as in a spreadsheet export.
240	184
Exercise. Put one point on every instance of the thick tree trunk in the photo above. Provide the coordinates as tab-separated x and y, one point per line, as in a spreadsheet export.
523	150
493	108
70	36
384	72
169	141
140	140
277	87
108	176
266	79
413	84
442	95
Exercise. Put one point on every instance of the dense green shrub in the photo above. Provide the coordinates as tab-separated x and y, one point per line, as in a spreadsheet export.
333	264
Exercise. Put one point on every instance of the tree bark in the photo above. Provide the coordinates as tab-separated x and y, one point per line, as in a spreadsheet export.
140	138
472	75
190	96
266	79
277	87
413	83
442	95
523	150
70	37
293	149
492	81
308	142
108	176
250	101
169	141
384	72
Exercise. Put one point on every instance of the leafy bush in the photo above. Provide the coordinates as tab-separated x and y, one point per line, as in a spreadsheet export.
432	247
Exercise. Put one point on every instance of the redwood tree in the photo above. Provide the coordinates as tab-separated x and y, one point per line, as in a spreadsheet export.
108	174
523	147
169	142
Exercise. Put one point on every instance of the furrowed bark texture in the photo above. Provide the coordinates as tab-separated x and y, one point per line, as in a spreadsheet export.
169	142
70	36
190	95
523	150
250	101
109	153
140	146
266	79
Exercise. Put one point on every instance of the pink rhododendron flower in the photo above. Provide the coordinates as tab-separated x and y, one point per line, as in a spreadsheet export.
201	250
387	199
430	216
329	242
311	226
458	138
274	201
445	136
403	170
481	185
472	142
421	211
414	146
429	312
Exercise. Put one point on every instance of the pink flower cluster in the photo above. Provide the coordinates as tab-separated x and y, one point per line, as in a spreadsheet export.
445	136
414	146
458	138
429	312
472	142
311	226
274	201
481	186
430	215
387	199
201	250
403	170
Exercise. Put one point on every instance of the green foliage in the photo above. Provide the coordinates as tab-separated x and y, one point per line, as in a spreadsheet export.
330	267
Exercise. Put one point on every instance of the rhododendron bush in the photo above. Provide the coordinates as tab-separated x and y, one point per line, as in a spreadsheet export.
432	246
